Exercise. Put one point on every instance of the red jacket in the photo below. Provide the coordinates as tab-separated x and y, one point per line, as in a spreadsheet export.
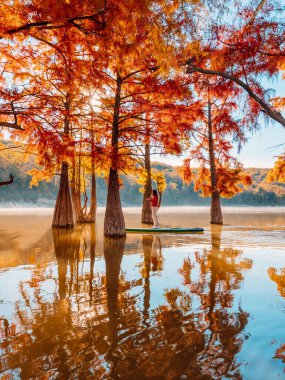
154	201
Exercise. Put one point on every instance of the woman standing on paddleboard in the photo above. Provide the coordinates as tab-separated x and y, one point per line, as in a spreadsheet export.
154	207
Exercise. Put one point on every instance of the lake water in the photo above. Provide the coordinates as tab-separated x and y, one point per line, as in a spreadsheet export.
207	306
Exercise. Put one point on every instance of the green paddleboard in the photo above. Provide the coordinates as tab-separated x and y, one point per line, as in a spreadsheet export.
171	230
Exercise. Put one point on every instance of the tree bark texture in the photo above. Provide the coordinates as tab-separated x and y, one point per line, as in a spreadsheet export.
81	213
114	222
216	211
93	201
76	202
63	213
146	210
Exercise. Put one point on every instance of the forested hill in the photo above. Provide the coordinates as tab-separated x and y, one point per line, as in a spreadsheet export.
19	193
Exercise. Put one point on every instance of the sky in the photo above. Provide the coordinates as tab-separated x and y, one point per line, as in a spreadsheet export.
261	149
258	152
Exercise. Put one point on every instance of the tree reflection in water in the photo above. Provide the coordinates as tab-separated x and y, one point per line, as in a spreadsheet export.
278	276
104	325
220	274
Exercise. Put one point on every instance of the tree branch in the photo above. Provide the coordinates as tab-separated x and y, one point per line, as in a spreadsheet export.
6	124
11	180
48	24
258	9
275	115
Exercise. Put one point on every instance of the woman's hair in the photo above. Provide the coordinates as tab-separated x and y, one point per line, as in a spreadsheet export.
154	192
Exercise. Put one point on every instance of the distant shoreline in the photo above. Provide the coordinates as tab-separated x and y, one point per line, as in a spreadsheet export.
15	210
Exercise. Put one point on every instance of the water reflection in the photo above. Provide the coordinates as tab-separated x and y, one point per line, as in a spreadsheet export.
147	241
113	253
220	274
278	276
79	318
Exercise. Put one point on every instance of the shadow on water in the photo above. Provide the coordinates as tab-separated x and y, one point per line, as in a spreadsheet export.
89	318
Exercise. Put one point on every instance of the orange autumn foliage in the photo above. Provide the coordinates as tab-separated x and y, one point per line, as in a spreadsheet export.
277	173
229	181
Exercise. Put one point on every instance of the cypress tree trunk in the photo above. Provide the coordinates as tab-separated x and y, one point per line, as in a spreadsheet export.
114	223
146	210
76	202
63	212
93	202
216	211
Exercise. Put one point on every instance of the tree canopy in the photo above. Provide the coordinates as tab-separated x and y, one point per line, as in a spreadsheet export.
85	85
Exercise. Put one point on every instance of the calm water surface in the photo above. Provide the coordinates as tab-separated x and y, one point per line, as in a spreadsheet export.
210	306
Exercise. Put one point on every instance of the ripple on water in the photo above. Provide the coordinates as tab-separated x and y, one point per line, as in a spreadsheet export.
168	307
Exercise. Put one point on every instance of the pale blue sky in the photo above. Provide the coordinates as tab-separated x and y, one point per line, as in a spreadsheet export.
258	151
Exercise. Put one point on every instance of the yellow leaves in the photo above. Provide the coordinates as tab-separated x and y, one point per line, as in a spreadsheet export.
230	181
277	173
156	175
160	180
278	103
39	175
195	49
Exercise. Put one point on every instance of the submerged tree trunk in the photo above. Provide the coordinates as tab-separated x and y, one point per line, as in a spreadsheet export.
216	211
82	214
75	195
146	210
93	201
114	223
160	198
63	212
